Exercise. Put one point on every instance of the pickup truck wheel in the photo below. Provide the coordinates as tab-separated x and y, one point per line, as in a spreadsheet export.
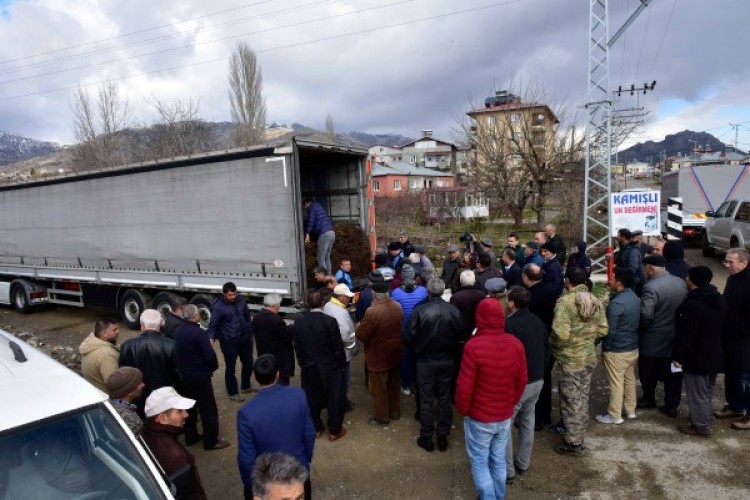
708	251
734	243
132	304
165	302
20	300
204	303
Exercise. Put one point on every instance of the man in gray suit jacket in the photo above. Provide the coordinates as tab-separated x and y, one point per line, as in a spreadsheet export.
661	296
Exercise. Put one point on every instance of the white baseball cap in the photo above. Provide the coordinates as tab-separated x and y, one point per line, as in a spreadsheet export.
166	398
342	289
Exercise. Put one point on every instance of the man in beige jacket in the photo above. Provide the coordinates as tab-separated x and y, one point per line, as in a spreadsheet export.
99	355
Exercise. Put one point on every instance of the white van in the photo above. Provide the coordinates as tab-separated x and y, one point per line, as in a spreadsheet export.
61	438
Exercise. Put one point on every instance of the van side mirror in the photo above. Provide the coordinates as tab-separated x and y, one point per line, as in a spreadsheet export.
710	213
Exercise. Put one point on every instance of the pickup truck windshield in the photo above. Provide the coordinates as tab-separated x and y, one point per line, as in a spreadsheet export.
84	455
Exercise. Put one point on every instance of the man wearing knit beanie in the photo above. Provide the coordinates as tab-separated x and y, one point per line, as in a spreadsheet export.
124	386
697	347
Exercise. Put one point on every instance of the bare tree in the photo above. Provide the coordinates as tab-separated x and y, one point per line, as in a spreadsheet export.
493	171
178	130
98	126
246	96
521	144
330	129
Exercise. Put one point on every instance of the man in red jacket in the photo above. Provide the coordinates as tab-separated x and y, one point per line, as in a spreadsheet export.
492	379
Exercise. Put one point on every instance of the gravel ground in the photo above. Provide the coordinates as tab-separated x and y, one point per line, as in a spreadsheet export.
643	458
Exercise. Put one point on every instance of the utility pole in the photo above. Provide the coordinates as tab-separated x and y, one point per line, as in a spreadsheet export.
736	127
597	220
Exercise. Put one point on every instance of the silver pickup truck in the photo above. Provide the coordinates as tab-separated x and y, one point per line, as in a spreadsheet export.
728	227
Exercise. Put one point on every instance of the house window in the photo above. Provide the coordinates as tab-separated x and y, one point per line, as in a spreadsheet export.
376	186
413	183
397	185
515	118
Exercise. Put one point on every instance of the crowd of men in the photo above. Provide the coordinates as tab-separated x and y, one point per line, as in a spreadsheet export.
490	352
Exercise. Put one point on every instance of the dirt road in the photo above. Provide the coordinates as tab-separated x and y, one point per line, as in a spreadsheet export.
644	458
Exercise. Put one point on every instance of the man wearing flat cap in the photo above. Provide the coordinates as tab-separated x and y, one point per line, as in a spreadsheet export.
166	412
380	332
449	274
662	294
124	386
486	247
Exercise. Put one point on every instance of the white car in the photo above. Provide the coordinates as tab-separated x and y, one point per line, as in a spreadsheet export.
60	438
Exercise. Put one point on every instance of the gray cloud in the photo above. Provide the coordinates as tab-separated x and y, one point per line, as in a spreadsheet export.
400	79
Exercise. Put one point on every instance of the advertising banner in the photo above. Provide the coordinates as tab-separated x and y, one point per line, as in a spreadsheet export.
636	210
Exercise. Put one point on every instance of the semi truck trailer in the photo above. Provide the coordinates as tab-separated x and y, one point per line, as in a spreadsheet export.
702	189
142	235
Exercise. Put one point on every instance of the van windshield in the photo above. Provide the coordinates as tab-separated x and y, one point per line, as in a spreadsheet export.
81	455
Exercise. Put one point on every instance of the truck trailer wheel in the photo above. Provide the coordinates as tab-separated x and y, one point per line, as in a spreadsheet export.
708	251
165	302
132	304
20	300
203	302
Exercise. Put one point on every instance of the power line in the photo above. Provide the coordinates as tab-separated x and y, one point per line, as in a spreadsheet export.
326	18
161	37
144	30
663	36
643	44
280	47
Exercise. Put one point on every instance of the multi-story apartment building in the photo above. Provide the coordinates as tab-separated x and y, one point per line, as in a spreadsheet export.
506	129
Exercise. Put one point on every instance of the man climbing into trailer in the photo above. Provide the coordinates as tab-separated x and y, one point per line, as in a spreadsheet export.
320	228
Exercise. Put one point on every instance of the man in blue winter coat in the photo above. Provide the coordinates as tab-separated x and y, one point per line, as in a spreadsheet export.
320	228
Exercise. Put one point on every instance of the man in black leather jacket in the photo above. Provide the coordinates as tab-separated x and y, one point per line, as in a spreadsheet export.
432	333
154	354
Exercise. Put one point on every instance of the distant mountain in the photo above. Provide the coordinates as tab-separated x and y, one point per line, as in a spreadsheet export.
392	140
355	138
672	145
15	148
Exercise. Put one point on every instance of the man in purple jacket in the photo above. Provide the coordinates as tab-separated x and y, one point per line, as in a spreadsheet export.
320	227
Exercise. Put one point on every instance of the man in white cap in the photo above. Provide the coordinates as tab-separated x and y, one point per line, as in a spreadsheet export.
166	412
337	309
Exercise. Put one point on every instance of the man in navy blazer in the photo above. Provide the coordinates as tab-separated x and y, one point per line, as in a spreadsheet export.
277	419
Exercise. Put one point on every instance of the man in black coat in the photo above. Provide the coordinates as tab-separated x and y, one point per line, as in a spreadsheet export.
542	304
230	325
154	354
173	319
532	333
736	339
553	270
320	352
697	347
432	333
511	270
450	268
197	362
557	241
274	336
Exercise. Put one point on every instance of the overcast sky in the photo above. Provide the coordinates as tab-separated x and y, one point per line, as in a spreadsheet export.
375	65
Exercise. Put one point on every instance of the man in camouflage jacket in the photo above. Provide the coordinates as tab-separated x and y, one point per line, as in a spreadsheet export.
579	320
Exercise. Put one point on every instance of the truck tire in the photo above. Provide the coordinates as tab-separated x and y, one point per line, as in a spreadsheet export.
708	251
132	303
20	300
204	303
734	243
165	302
